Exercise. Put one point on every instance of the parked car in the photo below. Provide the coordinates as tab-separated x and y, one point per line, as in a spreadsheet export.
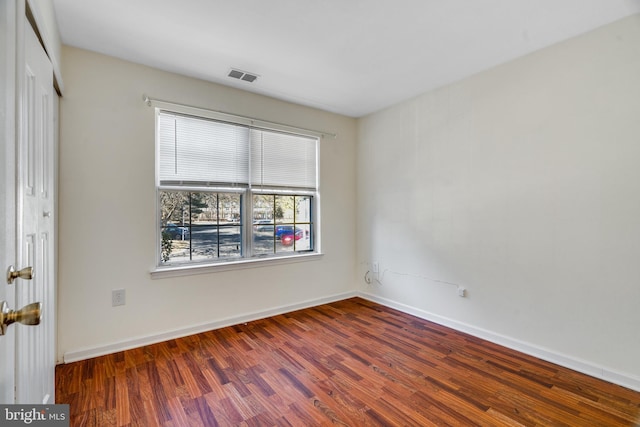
284	229
263	225
176	232
287	235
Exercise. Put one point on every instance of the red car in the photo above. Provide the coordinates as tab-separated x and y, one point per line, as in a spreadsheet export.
287	237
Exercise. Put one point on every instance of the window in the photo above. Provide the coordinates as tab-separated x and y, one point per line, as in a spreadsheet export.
230	191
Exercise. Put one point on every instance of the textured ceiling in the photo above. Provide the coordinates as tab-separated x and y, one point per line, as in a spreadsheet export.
351	57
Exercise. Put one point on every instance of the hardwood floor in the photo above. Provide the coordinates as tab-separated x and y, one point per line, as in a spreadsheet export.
352	363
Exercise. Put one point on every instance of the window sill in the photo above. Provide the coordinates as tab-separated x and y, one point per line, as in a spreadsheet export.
192	269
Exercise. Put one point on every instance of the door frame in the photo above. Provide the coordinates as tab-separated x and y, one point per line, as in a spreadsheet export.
9	46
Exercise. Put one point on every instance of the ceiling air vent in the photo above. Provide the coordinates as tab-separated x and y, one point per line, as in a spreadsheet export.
243	75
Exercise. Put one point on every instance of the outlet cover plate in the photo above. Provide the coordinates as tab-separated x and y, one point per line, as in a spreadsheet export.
117	297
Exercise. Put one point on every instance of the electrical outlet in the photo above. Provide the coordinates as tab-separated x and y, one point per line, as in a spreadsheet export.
462	292
117	297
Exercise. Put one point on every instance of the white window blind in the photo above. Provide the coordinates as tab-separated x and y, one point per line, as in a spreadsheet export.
208	152
283	160
200	151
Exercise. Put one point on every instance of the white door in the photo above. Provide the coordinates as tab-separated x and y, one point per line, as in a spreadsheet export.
35	358
27	359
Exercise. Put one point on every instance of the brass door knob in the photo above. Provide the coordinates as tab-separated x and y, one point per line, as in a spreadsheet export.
26	274
27	315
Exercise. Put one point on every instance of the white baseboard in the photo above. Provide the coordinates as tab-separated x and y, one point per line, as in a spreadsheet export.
604	373
101	350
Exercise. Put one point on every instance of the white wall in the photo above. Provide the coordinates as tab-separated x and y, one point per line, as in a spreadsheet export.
108	210
521	184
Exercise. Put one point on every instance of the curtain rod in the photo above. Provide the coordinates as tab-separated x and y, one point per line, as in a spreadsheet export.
253	121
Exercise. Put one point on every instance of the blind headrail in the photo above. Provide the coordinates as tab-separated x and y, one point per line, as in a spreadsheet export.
220	115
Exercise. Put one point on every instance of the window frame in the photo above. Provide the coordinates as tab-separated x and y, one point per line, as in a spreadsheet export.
248	258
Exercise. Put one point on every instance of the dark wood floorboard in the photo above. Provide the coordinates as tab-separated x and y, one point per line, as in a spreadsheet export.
349	363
